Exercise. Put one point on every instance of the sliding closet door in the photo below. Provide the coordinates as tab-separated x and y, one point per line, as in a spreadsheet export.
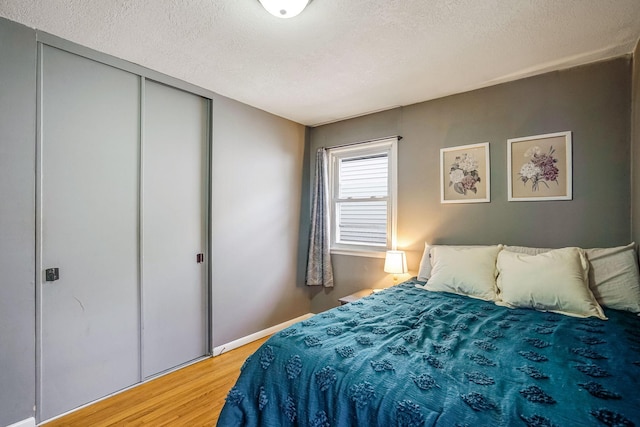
89	201
174	171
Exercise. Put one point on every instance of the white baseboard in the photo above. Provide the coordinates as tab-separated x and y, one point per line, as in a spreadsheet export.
217	351
29	422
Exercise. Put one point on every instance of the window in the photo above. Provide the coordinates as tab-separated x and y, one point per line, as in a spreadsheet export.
362	185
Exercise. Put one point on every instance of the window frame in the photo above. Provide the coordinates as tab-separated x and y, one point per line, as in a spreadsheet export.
387	146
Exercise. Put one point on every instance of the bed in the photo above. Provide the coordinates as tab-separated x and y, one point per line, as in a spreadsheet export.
410	356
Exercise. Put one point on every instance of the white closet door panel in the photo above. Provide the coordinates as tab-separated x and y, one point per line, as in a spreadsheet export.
173	222
89	230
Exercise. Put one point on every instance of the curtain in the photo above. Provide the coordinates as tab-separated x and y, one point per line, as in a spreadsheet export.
319	271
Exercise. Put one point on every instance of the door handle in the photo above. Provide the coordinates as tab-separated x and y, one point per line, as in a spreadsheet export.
51	274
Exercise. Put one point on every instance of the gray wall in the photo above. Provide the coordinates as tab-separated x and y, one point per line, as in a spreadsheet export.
17	221
591	101
256	198
257	176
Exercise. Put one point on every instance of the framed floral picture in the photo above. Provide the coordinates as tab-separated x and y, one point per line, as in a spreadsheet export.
539	167
464	174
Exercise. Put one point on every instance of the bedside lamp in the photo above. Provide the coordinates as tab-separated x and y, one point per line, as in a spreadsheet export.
395	262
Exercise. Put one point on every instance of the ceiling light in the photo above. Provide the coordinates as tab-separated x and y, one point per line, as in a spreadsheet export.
284	8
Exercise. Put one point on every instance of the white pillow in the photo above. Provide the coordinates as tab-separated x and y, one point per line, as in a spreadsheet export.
467	271
424	271
555	281
526	250
614	277
426	264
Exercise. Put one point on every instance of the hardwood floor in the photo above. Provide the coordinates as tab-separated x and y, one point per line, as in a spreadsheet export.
192	396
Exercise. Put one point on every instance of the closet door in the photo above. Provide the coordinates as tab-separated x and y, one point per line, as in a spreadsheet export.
174	291
89	206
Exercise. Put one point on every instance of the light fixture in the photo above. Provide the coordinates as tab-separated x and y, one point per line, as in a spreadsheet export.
395	262
284	8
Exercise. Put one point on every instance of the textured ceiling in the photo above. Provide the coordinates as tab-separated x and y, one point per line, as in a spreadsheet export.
342	58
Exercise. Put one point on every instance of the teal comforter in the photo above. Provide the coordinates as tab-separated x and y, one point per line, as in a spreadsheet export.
410	357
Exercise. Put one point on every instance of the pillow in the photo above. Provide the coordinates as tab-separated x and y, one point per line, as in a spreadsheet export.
526	250
555	281
614	277
467	271
424	272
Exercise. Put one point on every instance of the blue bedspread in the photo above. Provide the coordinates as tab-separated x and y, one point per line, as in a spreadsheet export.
410	357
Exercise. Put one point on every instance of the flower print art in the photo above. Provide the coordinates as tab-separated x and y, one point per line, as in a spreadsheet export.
464	174
540	167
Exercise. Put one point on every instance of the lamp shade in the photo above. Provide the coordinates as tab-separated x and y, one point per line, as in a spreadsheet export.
395	262
284	8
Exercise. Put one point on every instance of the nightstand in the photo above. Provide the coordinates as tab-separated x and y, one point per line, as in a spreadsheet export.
355	296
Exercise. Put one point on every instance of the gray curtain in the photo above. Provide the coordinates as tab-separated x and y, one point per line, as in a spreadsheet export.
319	271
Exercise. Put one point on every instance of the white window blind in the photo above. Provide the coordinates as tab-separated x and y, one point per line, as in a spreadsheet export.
362	200
362	181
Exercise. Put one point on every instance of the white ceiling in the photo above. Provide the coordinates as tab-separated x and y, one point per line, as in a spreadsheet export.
342	58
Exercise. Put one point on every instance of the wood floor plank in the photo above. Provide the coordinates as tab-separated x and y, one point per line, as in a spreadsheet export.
192	396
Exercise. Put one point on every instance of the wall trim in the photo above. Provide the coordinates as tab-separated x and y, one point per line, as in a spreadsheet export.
29	422
217	351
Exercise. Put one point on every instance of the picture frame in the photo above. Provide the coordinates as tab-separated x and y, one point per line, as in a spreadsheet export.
539	168
465	175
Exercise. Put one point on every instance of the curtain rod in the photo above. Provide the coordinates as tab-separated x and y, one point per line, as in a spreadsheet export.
363	142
